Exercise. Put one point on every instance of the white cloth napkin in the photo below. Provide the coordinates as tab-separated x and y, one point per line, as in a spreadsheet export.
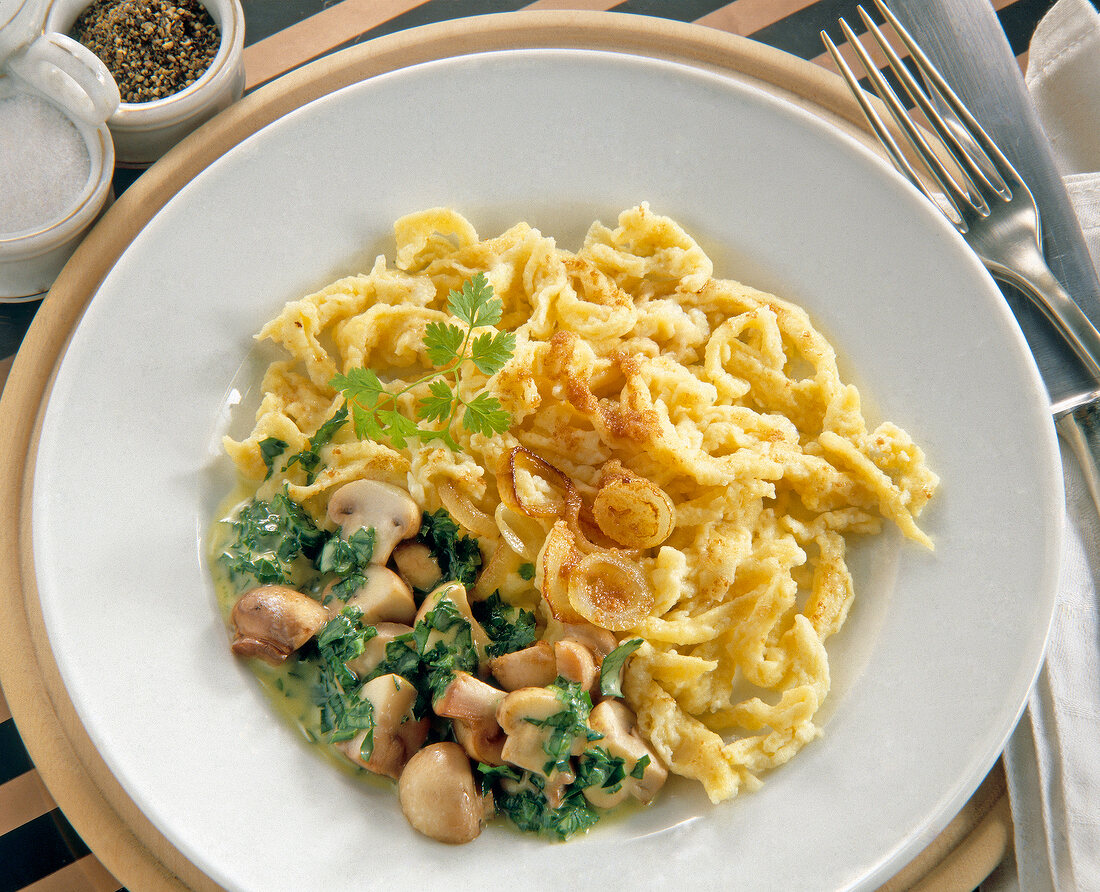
1053	758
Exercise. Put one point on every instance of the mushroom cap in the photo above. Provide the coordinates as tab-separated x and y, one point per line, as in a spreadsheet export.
576	662
273	621
417	565
371	504
438	794
397	732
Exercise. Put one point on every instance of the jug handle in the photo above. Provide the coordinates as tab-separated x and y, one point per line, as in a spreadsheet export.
70	74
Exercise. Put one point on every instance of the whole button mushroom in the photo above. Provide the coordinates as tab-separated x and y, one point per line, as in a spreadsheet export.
371	504
272	621
438	794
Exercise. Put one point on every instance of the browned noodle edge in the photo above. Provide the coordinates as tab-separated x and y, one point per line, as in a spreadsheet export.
76	776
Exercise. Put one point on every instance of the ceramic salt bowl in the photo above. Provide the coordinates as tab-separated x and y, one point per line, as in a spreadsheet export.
143	131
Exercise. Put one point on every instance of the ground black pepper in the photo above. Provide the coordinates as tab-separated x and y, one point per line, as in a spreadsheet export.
153	48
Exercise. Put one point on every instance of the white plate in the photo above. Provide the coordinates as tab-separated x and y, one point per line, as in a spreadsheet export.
933	668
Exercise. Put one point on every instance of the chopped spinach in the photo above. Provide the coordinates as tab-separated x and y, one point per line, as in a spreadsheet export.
343	713
310	458
270	449
509	628
598	768
527	571
611	672
528	809
346	556
269	536
565	726
458	556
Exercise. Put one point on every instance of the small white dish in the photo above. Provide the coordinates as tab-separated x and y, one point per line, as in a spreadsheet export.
143	131
933	667
31	258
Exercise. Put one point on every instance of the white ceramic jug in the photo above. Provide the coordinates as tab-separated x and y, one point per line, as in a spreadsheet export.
58	66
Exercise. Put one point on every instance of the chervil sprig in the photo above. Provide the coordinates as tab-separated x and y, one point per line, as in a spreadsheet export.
374	410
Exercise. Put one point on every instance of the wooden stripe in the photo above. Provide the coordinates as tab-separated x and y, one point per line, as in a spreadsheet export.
38	848
315	36
590	5
745	17
23	799
85	875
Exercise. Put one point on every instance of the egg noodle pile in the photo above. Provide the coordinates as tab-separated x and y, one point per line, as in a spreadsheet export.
632	363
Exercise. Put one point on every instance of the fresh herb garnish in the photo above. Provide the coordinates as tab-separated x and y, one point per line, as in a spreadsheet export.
527	571
458	555
509	628
638	771
269	536
611	672
310	458
374	410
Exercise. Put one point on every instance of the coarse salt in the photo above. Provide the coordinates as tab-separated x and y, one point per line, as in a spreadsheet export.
44	163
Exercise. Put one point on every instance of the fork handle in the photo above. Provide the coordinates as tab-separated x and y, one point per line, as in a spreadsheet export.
1032	276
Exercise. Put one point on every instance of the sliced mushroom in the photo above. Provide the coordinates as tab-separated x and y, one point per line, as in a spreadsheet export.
397	733
374	651
371	504
531	667
471	705
272	621
575	662
600	641
384	597
521	715
614	720
417	565
455	593
438	794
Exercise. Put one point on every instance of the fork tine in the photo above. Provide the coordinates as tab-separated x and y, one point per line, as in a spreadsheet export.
955	196
932	76
971	177
882	132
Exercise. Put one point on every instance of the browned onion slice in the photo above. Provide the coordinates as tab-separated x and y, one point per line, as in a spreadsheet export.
465	512
609	590
559	556
521	459
632	511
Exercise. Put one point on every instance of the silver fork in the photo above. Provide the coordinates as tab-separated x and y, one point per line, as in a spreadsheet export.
988	202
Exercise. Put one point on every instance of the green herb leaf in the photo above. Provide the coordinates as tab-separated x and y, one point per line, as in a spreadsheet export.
509	628
443	342
638	771
490	352
347	556
269	537
374	410
598	768
611	672
568	724
458	555
310	459
270	449
484	415
527	571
